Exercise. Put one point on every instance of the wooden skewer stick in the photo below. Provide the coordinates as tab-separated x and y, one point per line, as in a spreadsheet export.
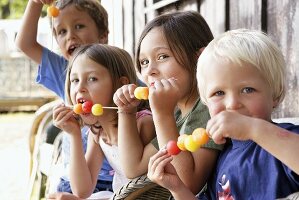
104	107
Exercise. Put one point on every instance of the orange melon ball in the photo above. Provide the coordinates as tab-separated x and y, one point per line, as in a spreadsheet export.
52	11
200	136
181	142
141	93
78	108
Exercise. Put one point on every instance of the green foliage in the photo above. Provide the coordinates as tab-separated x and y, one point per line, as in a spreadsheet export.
14	9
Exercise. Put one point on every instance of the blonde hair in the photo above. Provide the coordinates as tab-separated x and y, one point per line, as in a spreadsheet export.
243	46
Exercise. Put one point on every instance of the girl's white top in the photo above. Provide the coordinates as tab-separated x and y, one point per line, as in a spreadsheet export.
112	155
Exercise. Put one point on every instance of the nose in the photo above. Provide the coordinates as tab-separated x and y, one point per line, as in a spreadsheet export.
70	34
81	87
151	68
233	102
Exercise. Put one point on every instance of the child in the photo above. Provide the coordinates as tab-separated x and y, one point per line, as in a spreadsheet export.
94	73
79	22
166	57
241	78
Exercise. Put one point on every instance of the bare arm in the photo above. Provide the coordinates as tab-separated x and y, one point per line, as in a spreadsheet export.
84	170
279	142
26	39
192	168
133	137
134	143
162	172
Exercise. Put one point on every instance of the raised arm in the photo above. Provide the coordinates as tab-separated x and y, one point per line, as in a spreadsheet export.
192	168
84	169
26	39
134	136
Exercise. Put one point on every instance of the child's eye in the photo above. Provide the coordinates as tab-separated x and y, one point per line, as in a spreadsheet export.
79	26
163	56
92	79
74	80
143	63
61	31
248	90
219	93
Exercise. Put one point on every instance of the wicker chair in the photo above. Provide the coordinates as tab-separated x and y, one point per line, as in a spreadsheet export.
141	188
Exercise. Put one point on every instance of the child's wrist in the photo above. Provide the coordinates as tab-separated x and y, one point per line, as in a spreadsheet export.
127	111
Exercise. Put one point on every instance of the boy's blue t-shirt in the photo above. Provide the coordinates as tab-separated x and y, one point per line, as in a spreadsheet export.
247	171
52	75
52	72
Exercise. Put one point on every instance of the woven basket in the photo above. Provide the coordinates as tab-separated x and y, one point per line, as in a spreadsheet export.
141	188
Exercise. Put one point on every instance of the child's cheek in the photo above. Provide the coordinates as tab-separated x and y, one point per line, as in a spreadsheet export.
214	108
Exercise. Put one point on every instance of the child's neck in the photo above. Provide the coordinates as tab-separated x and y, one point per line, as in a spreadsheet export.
186	104
109	125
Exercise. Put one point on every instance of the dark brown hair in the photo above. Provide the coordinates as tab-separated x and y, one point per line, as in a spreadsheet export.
186	32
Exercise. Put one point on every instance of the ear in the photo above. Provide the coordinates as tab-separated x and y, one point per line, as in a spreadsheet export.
124	80
103	38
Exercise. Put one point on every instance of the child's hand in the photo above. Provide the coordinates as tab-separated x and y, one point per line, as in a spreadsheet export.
164	96
48	2
162	172
227	124
63	118
124	98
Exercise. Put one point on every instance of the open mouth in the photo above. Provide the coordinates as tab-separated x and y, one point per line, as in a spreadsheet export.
86	105
81	100
72	48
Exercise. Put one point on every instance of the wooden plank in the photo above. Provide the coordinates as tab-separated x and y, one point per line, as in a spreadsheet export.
115	13
283	28
150	13
214	13
245	14
139	18
128	37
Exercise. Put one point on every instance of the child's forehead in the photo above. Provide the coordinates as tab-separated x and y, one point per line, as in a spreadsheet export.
72	15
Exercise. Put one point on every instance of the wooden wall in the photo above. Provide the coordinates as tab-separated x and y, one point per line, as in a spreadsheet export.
279	18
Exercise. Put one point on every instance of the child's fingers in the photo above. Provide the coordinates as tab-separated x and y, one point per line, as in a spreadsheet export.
155	159
57	110
162	164
60	118
131	89
122	97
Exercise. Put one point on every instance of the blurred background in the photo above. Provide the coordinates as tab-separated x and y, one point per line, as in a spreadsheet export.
21	99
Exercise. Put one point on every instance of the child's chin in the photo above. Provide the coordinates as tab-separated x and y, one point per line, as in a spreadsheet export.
89	119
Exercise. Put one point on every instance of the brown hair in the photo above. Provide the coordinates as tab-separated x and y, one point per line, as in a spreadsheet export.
94	9
186	32
117	61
